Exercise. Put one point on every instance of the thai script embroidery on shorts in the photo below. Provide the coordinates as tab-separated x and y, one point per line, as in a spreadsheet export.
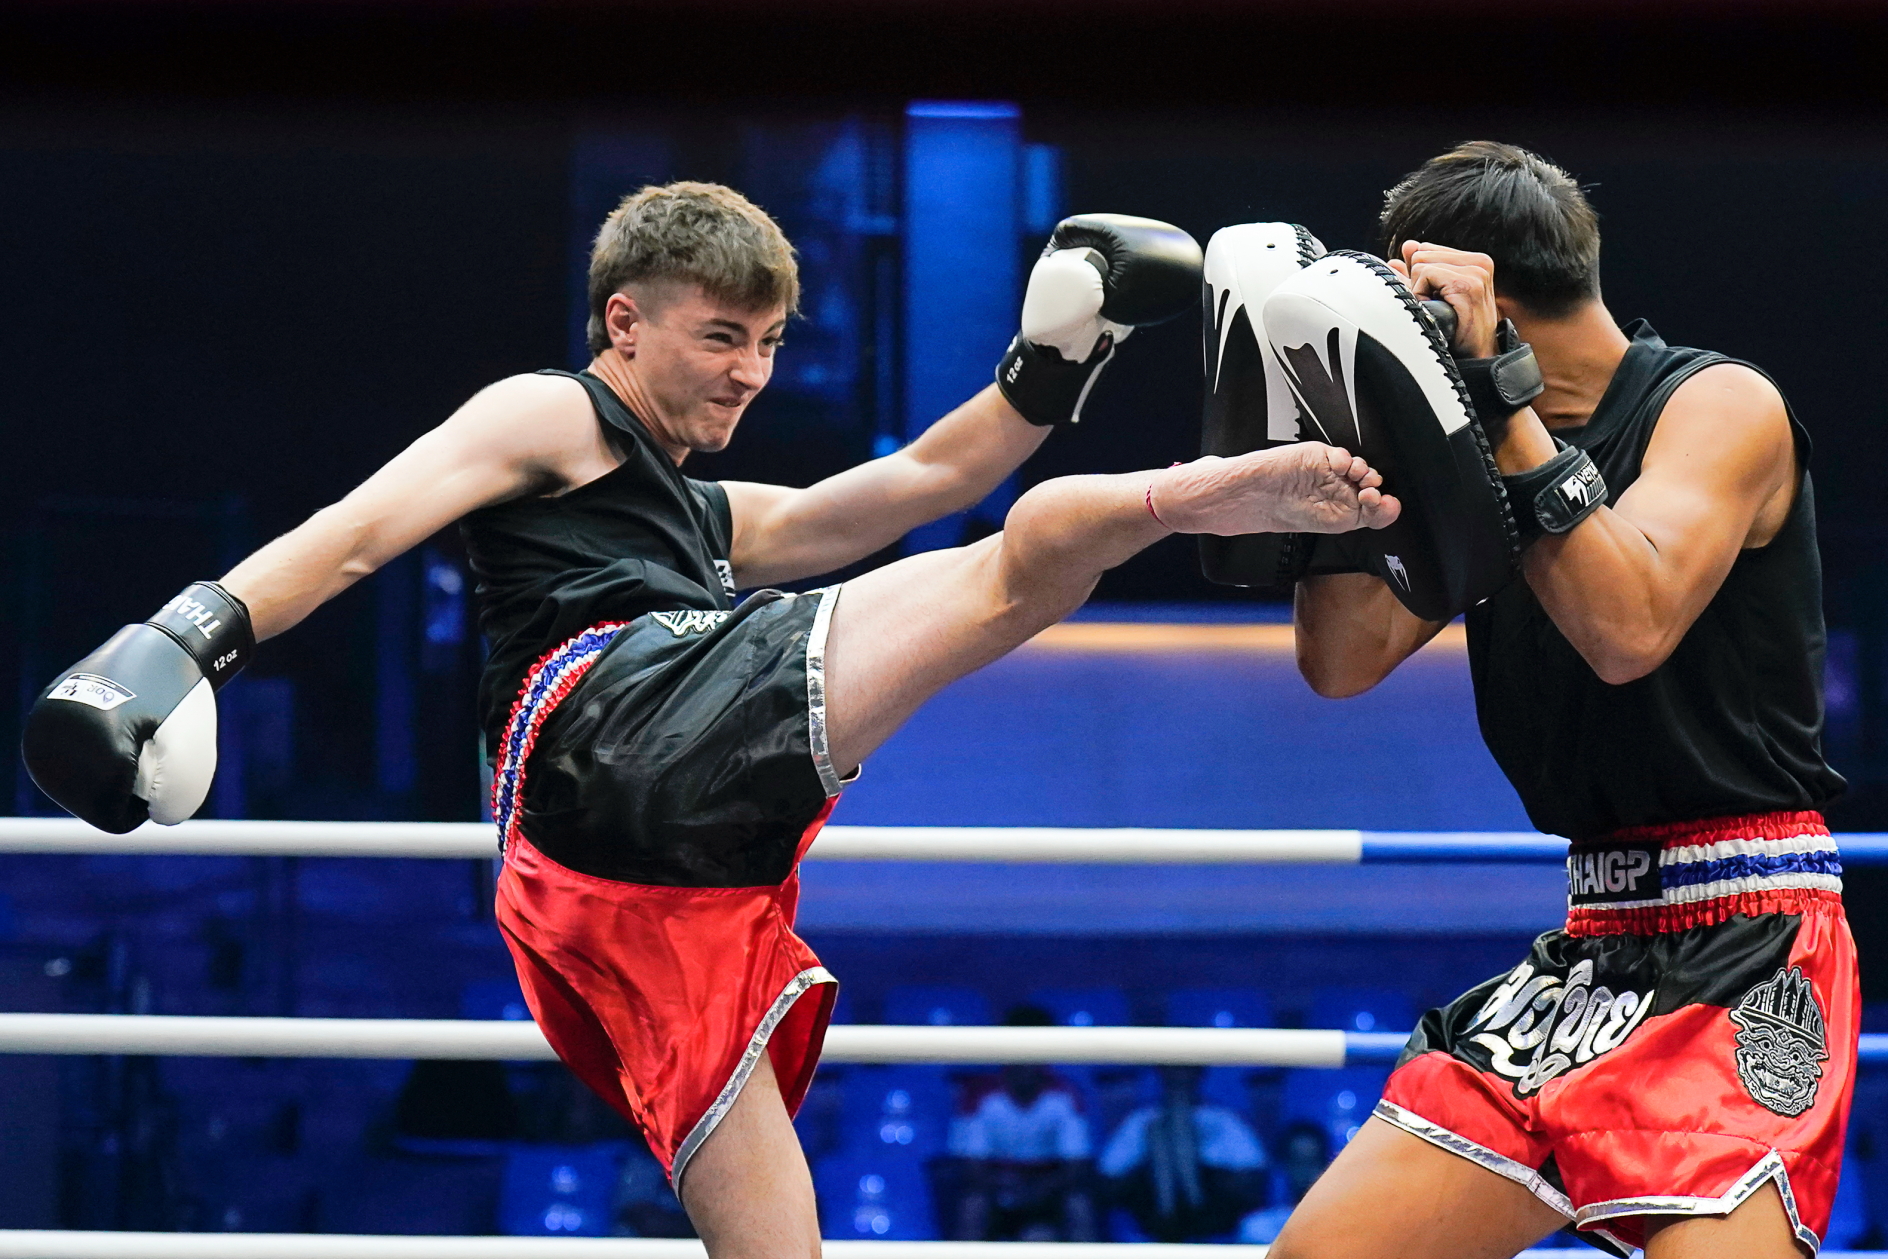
1781	1042
1538	1026
682	624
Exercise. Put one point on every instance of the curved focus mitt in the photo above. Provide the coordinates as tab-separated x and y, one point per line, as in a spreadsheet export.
1248	404
1372	373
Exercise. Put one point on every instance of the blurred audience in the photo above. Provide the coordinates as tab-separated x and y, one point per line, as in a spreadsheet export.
1020	1155
1184	1170
1303	1151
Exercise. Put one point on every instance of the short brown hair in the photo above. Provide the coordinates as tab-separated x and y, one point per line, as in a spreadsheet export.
1516	207
691	233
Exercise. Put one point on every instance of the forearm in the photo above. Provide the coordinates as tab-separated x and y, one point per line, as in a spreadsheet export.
1605	588
1350	632
783	535
964	456
1604	583
290	577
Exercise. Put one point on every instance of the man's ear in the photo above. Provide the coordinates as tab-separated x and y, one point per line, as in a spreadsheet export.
623	320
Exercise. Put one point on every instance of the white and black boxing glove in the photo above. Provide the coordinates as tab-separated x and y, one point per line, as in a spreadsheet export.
1100	277
129	732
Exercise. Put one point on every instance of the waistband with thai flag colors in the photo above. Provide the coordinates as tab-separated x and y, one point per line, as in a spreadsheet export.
1691	874
545	687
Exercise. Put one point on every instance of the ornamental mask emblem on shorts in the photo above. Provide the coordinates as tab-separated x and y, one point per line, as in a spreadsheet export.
1781	1042
1565	1023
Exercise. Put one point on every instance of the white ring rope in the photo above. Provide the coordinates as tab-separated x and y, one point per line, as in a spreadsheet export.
33	1244
187	1036
836	843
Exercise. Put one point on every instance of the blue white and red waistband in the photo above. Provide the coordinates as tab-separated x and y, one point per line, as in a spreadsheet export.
1689	874
545	686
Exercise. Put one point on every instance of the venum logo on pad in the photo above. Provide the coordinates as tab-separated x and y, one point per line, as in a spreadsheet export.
1536	1027
1395	564
1781	1042
93	691
682	624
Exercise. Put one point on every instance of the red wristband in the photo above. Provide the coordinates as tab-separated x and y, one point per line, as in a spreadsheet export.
1150	508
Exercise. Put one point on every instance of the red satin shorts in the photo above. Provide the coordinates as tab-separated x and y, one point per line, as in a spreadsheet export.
1689	1037
662	999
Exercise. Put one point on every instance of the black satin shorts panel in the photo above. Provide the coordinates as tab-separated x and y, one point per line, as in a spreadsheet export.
685	757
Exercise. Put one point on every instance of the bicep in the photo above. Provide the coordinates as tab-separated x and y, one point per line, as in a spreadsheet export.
503	443
1723	451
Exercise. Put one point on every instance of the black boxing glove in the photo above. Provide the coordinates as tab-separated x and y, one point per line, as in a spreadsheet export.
1100	277
129	732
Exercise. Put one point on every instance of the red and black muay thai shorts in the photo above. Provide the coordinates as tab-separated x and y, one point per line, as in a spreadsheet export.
1688	1037
658	783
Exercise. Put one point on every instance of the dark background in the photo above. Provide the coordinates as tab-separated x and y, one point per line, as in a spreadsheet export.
248	251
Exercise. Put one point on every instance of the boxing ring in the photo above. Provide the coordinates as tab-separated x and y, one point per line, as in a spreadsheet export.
252	1037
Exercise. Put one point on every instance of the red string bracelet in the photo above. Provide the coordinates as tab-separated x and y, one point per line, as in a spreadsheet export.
1150	508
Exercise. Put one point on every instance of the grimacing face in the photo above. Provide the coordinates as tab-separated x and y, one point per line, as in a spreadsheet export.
701	361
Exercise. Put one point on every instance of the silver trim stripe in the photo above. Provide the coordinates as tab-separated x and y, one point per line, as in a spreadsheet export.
816	690
1769	1167
756	1045
1500	1164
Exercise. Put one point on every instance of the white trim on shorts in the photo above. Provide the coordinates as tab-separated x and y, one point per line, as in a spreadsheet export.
1459	1145
816	690
1587	1218
757	1044
1769	1167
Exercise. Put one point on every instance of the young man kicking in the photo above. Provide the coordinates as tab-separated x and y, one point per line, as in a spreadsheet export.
663	756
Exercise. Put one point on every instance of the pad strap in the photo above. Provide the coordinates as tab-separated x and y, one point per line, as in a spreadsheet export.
213	626
1557	495
1502	385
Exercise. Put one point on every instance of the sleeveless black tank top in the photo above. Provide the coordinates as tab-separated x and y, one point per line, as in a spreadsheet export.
1730	724
643	538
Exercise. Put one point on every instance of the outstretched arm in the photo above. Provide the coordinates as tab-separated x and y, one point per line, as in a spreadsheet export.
516	436
781	534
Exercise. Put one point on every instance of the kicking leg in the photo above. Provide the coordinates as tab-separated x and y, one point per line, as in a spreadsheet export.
747	1189
901	633
1390	1195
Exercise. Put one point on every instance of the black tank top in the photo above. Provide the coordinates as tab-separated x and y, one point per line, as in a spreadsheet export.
643	538
1730	724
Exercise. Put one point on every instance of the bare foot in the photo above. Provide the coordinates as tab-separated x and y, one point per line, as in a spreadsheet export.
1306	487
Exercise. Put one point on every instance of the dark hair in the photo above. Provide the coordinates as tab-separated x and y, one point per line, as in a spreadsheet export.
689	233
1516	207
1027	1016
